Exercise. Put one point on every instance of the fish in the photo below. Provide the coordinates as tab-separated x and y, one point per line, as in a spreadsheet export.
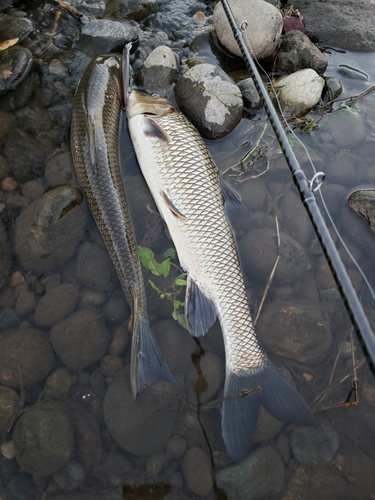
194	201
96	113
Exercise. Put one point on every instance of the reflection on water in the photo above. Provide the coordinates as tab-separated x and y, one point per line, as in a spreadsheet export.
65	341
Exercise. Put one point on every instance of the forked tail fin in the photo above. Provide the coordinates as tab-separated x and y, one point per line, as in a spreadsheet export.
147	362
240	413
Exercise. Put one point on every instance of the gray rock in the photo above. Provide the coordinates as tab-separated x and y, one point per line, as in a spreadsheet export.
25	358
299	92
363	202
19	97
260	476
25	299
116	309
339	24
210	99
250	94
55	305
159	71
264	27
144	426
294	218
314	445
296	52
10	404
24	155
94	268
130	9
345	168
15	27
196	467
334	87
15	63
204	382
32	190
48	231
176	447
9	318
58	384
80	340
59	170
292	265
295	329
4	257
346	127
101	36
43	439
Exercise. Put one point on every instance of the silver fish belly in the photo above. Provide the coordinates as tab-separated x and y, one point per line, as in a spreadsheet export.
94	143
192	199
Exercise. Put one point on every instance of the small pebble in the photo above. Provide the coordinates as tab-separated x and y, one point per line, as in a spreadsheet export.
91	298
110	365
116	309
120	340
176	447
196	467
9	184
33	190
7	449
16	278
177	480
155	463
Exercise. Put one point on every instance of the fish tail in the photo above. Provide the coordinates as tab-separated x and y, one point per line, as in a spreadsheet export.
147	361
240	412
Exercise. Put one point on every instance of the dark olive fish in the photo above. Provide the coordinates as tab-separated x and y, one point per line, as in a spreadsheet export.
190	196
94	143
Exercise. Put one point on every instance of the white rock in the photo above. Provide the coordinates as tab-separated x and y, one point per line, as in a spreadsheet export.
161	56
264	26
299	92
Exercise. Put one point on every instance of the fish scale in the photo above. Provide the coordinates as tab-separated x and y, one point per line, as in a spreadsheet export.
186	187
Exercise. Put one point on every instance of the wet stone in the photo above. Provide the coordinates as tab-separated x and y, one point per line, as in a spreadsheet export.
113	469
80	340
21	486
210	99
299	92
43	439
296	52
155	463
116	309
15	63
119	341
91	298
110	365
94	268
334	88
32	190
59	170
25	358
55	305
250	94
363	202
159	71
58	384
9	318
314	445
253	194
102	36
196	467
303	330
25	299
264	27
292	264
137	10
176	447
294	218
48	231
344	168
19	97
10	403
15	27
261	475
149	420
347	128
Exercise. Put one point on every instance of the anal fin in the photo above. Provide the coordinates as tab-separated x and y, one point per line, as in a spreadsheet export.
200	311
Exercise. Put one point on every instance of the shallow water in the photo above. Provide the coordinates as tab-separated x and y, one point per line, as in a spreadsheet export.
323	374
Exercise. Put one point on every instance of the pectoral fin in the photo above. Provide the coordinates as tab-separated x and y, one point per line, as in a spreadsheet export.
171	206
153	129
232	200
200	311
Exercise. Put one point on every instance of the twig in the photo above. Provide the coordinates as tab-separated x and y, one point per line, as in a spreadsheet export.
272	272
217	402
69	8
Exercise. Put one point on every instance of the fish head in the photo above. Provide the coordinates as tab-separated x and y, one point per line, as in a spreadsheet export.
140	103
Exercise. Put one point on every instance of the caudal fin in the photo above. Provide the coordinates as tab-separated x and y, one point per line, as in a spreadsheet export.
147	361
240	413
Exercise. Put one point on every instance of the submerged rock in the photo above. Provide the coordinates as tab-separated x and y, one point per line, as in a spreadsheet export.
48	231
210	99
4	257
80	340
94	268
295	329
55	305
363	202
259	476
296	52
196	467
346	127
130	9
299	92
10	403
144	426
264	26
25	358
43	439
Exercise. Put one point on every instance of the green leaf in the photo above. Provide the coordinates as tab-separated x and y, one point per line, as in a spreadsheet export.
147	258
177	304
181	320
170	253
155	272
164	267
180	282
175	315
152	284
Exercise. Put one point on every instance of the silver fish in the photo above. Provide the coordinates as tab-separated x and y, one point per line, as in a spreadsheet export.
94	143
192	200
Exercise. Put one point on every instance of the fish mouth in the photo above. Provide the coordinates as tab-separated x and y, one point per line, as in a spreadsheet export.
140	103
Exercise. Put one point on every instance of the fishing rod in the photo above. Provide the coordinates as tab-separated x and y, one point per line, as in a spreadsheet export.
306	191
